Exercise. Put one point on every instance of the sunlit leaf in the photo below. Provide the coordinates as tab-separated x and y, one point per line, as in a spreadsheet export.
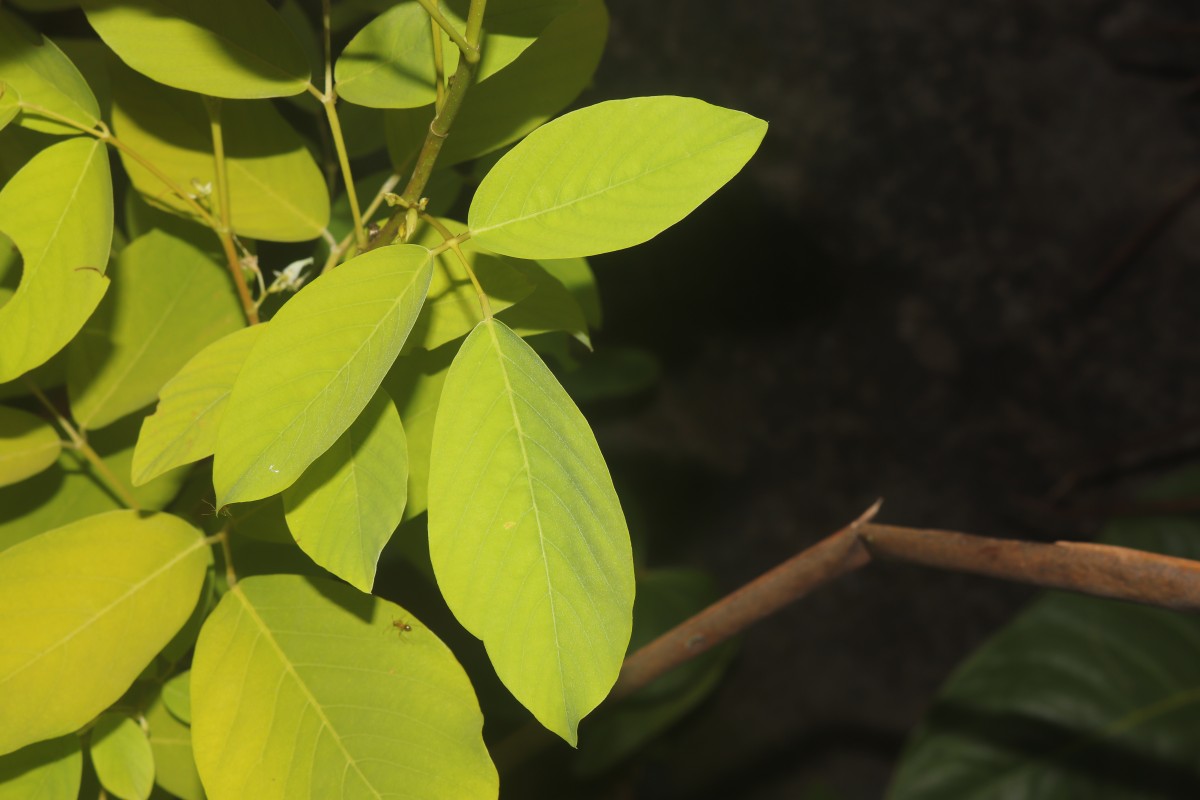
70	489
223	48
48	770
122	757
183	428
610	176
542	81
171	743
68	599
452	308
1078	697
28	445
169	301
292	671
277	191
43	77
389	63
526	533
314	370
415	384
58	211
343	509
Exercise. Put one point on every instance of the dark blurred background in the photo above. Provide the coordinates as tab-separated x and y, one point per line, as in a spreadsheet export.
962	274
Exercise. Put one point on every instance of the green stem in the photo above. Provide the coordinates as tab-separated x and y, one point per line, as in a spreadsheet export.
339	143
79	443
468	46
439	68
335	255
222	538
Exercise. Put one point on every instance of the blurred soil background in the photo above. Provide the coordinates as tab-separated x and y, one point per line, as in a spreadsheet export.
923	289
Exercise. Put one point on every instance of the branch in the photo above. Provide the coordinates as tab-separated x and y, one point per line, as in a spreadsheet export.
1095	569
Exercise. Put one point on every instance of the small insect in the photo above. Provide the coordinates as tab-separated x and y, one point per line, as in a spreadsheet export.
401	626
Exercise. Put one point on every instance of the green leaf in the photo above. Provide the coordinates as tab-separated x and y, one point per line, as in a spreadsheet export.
452	309
293	671
58	210
551	307
343	509
122	757
223	48
183	428
48	770
28	445
314	370
169	301
69	490
526	532
415	384
177	696
276	190
542	81
171	743
263	520
612	373
610	176
1078	697
10	104
70	599
576	274
389	63
44	77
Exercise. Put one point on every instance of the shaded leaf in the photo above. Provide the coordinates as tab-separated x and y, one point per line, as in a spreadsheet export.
168	302
177	697
171	744
183	428
1077	697
70	490
276	190
122	757
537	85
58	211
285	408
48	770
343	509
415	384
550	307
43	76
610	176
67	601
291	670
526	532
28	445
612	373
576	274
10	103
223	48
261	519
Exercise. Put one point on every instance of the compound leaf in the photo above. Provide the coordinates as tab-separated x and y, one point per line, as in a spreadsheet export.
610	176
122	757
223	48
28	445
343	509
183	428
42	75
526	533
58	211
68	601
49	770
315	368
169	301
304	671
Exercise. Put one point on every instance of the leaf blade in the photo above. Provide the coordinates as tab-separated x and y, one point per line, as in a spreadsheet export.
122	756
28	445
42	75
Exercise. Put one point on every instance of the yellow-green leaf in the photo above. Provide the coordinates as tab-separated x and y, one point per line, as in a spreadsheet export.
415	384
171	743
526	533
343	509
10	103
304	671
610	176
543	80
28	445
223	48
58	211
122	757
550	307
44	77
69	600
169	301
183	428
314	370
276	189
177	696
48	770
